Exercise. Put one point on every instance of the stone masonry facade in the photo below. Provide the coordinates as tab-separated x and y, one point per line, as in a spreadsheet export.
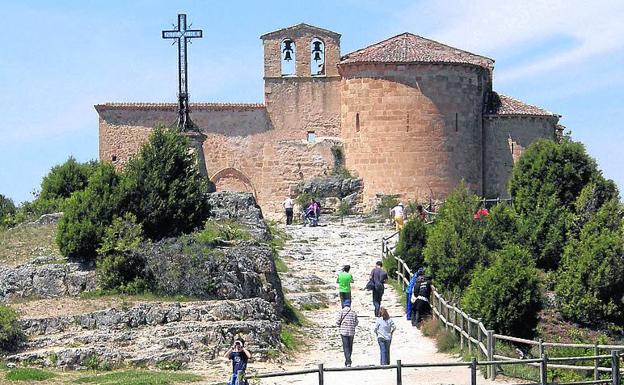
414	116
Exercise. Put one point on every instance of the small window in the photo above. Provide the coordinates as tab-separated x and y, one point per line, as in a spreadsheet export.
456	122
357	122
288	52
114	158
317	57
311	137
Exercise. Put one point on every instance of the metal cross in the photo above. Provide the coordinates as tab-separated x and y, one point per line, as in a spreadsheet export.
181	34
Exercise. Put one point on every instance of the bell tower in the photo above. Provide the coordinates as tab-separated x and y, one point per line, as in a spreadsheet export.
301	80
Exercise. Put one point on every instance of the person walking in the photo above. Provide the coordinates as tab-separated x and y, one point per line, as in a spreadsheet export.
420	298
346	321
344	280
239	356
377	279
384	328
288	209
410	289
398	215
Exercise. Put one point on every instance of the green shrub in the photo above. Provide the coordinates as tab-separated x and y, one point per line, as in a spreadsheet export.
119	265
545	184
11	334
548	168
446	341
217	231
7	209
454	243
164	188
88	213
29	374
506	294
590	200
60	183
287	338
501	227
344	209
590	282
412	240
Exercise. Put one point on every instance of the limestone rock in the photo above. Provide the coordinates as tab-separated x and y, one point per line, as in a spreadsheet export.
241	207
45	280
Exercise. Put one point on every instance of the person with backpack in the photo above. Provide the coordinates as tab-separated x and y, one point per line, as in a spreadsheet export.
344	281
420	300
377	279
384	328
239	356
410	289
346	321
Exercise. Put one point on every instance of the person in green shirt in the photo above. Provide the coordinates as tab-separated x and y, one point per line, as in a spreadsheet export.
344	280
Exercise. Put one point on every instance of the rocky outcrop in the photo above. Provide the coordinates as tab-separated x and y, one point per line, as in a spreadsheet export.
242	208
190	334
333	190
40	278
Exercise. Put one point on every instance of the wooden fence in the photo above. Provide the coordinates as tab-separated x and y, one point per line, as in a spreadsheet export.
479	341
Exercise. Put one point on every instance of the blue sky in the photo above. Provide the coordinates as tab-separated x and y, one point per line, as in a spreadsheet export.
60	58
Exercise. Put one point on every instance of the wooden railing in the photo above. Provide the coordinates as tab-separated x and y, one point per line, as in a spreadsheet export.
542	363
479	341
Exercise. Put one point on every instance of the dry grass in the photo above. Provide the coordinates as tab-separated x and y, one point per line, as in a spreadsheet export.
23	243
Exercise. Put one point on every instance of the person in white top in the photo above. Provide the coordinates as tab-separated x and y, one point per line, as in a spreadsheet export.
288	208
398	215
384	328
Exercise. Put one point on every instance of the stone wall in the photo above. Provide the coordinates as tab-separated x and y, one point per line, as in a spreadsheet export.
506	138
243	150
413	130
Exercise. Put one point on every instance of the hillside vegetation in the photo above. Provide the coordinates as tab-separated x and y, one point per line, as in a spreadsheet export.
555	256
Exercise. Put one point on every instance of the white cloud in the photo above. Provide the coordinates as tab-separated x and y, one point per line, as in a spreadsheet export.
494	26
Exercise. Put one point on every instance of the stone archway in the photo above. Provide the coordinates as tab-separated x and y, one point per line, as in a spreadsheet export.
231	179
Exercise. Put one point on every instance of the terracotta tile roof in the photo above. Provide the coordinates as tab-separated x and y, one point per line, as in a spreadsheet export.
174	106
410	48
499	104
300	26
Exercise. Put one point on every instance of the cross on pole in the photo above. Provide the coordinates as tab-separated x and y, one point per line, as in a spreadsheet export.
182	34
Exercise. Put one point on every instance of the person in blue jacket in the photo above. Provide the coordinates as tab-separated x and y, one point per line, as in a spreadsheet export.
410	289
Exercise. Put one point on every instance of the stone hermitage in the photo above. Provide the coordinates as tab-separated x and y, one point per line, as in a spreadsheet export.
413	115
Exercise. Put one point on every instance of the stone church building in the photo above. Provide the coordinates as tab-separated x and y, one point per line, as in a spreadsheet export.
414	117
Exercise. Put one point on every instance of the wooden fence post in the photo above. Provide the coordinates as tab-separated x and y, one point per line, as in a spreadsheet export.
541	347
596	361
321	375
544	370
490	354
479	337
461	332
473	371
469	336
615	367
399	376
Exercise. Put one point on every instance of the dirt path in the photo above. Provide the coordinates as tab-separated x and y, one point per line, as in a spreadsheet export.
314	256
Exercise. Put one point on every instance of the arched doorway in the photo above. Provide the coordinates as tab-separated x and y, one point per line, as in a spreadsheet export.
231	179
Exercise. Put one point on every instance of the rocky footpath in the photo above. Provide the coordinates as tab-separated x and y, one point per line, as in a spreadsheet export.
44	278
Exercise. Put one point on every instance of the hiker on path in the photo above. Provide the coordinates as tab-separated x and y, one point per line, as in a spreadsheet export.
420	213
239	356
420	298
377	279
410	289
288	209
398	215
344	280
384	327
346	321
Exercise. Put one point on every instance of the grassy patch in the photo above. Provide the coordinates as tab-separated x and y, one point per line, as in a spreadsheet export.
280	265
215	232
139	377
288	338
29	374
26	242
292	315
397	287
313	306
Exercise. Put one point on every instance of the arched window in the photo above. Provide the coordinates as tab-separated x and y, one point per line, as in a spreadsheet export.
289	57
317	57
357	122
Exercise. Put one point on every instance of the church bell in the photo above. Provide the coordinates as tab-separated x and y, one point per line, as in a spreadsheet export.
287	50
316	50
